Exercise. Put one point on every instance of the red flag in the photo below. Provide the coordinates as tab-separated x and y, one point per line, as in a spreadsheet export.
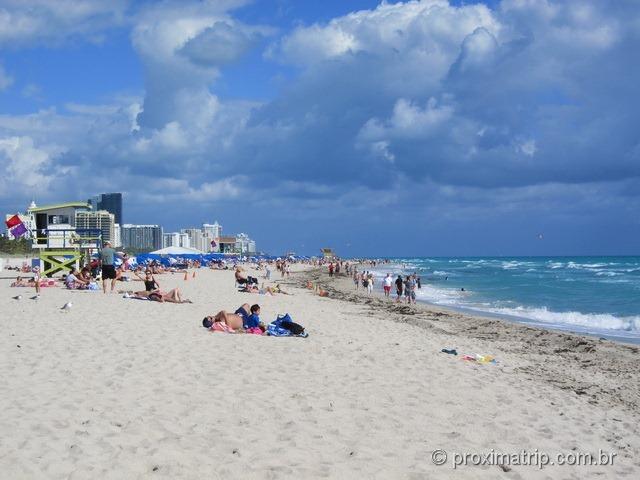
13	221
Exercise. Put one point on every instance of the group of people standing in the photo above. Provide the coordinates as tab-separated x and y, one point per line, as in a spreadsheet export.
405	287
366	279
408	286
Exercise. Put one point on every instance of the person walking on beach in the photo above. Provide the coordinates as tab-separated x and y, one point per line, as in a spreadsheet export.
370	283
399	287
410	289
356	279
331	269
386	285
107	260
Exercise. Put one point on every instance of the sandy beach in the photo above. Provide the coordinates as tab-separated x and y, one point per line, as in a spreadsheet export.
118	388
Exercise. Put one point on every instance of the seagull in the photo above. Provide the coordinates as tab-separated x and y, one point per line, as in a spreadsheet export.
18	297
35	297
67	306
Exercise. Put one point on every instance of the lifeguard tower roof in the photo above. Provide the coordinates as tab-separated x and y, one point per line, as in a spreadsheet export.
46	208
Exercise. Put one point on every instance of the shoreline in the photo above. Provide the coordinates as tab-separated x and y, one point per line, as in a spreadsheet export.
620	335
582	355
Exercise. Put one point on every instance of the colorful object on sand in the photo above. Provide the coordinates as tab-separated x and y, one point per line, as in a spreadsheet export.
483	359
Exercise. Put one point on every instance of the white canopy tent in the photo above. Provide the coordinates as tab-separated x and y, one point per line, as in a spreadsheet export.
177	251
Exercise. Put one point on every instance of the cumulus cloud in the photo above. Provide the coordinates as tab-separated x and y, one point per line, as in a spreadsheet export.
25	165
529	105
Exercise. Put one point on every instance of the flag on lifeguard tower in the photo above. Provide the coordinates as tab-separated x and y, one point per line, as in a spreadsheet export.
15	226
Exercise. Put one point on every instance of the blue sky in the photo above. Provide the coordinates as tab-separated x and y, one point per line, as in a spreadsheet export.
419	128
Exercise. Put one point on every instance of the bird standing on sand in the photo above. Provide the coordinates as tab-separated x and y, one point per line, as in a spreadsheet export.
67	306
18	297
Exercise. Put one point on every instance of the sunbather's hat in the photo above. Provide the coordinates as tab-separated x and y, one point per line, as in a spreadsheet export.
107	242
206	323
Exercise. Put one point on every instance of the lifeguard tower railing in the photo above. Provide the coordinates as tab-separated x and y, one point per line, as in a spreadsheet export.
60	249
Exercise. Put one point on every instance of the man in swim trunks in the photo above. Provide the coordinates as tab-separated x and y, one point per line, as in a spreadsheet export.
386	285
235	321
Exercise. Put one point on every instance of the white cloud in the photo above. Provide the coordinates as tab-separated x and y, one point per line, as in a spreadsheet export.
430	29
25	165
408	120
24	22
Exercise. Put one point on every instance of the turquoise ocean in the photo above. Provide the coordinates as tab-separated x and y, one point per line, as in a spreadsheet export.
594	295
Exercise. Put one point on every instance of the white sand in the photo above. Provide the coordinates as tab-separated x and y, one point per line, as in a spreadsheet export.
127	389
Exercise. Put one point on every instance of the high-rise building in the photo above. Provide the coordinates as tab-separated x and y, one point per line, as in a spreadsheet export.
101	220
244	244
141	237
175	239
111	202
117	235
198	239
213	230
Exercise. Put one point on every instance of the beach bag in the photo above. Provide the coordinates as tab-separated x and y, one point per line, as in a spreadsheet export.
284	326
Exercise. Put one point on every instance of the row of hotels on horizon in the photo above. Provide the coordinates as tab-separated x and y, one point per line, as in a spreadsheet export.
104	212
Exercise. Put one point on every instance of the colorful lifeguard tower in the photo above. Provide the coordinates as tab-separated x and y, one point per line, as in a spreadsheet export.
328	253
59	243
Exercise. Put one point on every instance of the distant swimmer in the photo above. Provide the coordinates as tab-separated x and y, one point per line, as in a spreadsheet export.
462	289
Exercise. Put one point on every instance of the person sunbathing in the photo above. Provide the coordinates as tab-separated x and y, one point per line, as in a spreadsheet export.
234	321
150	283
172	296
244	320
243	279
19	283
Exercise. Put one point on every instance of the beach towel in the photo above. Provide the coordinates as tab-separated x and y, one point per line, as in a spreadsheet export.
221	327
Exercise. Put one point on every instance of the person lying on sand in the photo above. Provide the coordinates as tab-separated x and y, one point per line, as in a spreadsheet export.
242	321
172	296
20	282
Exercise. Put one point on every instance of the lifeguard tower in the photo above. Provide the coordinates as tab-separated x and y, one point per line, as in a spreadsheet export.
59	243
328	253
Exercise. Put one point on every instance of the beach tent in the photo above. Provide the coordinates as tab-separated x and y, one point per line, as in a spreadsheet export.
177	251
